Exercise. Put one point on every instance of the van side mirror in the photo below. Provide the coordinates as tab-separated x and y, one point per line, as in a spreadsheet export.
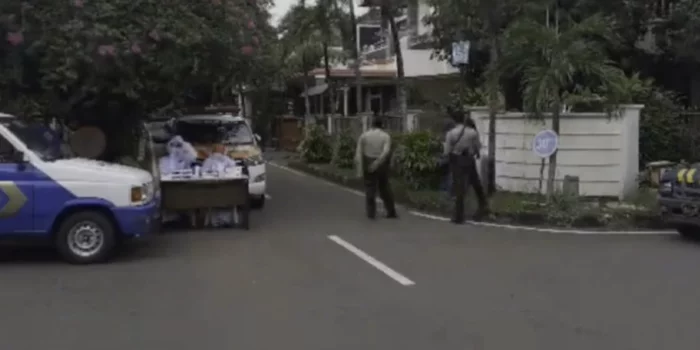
257	137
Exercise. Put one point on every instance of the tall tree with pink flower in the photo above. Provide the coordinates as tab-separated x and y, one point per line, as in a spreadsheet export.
60	56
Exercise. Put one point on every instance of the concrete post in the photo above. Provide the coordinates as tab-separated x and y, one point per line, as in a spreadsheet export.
630	148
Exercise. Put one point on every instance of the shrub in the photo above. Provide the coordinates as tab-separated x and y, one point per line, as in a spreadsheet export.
396	151
316	146
416	160
344	151
663	133
662	128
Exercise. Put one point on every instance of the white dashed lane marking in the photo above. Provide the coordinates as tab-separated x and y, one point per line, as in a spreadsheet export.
403	280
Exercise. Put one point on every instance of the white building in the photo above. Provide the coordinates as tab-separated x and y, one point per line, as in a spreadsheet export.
432	77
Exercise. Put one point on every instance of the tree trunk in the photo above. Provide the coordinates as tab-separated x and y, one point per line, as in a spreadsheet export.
243	107
308	120
307	100
329	83
400	79
214	95
356	55
494	102
694	88
552	171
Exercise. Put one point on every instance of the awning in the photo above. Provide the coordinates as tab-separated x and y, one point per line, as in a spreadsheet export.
315	90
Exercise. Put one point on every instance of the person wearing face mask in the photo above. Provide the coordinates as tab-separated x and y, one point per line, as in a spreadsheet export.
218	161
217	164
180	156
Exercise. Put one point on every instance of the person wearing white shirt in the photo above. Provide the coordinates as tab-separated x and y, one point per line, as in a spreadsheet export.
372	157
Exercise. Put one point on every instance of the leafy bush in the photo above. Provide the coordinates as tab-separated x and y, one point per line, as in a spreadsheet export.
662	128
344	151
416	160
468	96
128	55
560	210
316	146
396	151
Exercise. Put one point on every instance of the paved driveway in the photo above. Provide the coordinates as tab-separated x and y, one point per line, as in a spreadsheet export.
412	284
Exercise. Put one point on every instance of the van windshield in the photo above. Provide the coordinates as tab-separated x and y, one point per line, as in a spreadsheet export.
41	139
233	133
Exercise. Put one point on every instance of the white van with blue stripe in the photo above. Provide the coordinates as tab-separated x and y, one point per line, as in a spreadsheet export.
84	207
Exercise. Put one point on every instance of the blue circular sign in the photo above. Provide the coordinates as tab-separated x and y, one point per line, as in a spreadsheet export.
545	143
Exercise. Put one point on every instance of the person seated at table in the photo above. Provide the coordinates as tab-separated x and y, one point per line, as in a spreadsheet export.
217	164
218	161
180	156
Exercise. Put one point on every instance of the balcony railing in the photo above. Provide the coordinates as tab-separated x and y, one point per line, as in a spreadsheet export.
418	41
661	9
380	50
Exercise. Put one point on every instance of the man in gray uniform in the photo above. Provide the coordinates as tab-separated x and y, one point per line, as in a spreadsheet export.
462	146
446	182
373	158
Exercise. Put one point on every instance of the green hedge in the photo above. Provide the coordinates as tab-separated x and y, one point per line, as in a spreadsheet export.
316	146
416	160
414	155
507	208
344	151
663	130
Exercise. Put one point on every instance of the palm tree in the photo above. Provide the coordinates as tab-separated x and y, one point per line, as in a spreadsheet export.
387	12
324	21
302	47
555	66
350	39
356	56
318	24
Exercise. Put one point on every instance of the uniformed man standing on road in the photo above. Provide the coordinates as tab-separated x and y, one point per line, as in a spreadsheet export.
462	146
372	156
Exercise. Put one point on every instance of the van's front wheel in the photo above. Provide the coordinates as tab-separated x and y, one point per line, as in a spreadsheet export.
86	237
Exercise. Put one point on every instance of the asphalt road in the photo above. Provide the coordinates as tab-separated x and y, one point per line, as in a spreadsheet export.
286	285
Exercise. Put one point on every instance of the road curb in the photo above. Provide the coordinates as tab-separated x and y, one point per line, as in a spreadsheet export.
488	224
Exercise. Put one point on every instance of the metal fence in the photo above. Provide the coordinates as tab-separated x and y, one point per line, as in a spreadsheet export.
430	120
427	120
394	124
352	125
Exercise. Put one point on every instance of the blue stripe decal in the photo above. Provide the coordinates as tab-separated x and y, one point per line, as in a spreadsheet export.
45	199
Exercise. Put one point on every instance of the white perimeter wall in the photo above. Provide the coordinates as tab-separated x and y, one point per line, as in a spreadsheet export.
603	152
